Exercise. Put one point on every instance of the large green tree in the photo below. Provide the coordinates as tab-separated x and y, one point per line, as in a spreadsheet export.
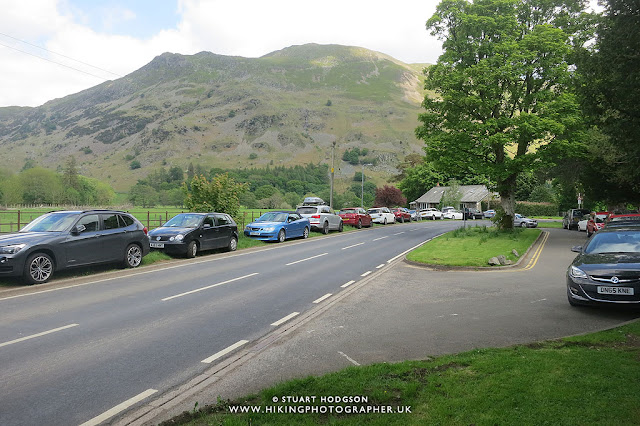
610	89
501	88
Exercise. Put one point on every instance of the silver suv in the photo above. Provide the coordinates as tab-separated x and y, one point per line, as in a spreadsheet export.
321	217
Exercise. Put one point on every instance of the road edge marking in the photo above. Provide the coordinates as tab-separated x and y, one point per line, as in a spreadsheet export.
225	351
119	408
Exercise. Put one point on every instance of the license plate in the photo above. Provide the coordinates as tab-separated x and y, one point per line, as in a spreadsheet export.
156	245
624	291
254	233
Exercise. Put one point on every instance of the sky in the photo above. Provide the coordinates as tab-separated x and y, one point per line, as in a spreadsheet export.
53	48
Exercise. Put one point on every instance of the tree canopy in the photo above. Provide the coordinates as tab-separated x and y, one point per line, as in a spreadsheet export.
501	88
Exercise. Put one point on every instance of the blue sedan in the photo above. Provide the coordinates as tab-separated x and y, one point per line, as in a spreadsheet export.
278	226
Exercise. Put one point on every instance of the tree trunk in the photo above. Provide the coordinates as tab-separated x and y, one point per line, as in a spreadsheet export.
506	189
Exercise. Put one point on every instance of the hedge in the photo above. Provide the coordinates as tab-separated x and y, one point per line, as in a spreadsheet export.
528	208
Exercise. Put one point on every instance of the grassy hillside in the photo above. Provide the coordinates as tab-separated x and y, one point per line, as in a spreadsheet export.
285	108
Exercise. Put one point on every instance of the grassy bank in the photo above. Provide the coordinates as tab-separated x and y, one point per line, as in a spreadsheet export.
591	379
474	246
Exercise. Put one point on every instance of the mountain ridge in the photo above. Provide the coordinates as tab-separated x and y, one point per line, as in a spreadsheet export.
285	108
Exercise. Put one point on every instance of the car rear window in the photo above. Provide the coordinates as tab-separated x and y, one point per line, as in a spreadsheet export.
348	211
307	210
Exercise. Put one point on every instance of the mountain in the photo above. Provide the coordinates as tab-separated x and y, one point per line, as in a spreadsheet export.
285	108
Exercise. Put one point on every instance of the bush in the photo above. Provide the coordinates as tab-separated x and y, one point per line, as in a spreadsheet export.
528	208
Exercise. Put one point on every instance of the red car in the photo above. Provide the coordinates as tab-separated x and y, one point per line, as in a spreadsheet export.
597	223
623	219
402	215
355	216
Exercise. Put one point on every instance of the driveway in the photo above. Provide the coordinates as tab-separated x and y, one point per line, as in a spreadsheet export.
402	313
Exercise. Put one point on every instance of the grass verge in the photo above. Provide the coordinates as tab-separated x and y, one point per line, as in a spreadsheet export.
549	224
474	246
590	379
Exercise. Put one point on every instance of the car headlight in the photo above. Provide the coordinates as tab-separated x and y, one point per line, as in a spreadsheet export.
269	229
177	238
577	272
246	228
12	249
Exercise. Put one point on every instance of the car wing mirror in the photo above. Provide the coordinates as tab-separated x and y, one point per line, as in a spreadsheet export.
577	249
77	230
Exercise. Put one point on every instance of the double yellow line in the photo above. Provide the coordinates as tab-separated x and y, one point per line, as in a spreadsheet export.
537	253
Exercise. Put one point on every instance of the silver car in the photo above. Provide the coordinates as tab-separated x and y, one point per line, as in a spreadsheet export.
524	222
322	218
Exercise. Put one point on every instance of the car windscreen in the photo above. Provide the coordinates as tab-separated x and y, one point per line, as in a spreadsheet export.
614	242
184	221
273	217
348	211
51	222
307	210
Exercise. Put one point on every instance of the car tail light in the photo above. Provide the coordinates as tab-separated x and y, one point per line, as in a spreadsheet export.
316	216
145	230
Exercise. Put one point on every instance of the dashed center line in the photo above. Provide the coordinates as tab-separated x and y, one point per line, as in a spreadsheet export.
347	284
209	286
381	238
225	351
33	336
308	258
399	233
355	245
285	319
326	296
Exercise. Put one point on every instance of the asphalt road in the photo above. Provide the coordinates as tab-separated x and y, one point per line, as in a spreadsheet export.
85	350
406	312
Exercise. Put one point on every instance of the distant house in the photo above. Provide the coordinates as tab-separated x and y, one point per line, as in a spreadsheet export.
472	197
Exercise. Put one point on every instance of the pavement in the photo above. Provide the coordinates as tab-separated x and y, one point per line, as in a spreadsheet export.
403	312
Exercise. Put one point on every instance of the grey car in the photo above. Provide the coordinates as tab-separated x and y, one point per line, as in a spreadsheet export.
67	239
524	222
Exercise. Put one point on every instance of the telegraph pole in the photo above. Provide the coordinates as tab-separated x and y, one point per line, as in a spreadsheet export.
333	147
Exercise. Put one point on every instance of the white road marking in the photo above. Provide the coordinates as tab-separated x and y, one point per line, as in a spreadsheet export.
407	251
33	336
308	258
355	245
285	319
347	284
209	286
119	408
381	238
399	233
380	266
365	274
225	351
354	362
326	296
541	300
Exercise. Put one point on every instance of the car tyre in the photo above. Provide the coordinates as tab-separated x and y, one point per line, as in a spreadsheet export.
340	227
132	256
385	221
359	225
401	219
233	244
192	249
283	236
523	225
325	228
38	268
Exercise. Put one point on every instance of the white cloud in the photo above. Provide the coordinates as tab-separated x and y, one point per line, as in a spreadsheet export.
248	28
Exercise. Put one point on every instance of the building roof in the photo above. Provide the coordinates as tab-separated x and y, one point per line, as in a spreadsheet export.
470	194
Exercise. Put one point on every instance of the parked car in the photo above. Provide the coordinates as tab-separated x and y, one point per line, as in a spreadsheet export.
278	226
607	268
524	222
381	215
473	214
402	215
66	239
622	217
582	225
596	223
414	215
453	214
356	216
430	213
189	233
488	214
321	218
447	208
572	217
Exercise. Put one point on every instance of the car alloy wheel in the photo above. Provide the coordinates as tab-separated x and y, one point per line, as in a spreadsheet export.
359	225
192	249
39	268
305	233
325	228
282	236
233	244
133	256
385	221
523	225
340	227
